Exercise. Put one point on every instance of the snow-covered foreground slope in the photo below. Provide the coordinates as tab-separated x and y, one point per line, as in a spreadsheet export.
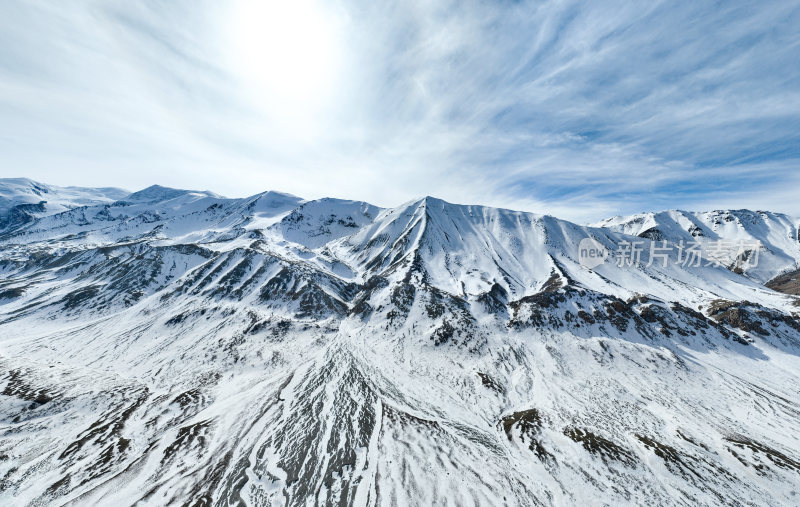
176	347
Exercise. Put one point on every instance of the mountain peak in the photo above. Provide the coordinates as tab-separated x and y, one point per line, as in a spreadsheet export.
423	202
161	193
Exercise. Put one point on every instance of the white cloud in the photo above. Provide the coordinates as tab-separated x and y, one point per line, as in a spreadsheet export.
578	109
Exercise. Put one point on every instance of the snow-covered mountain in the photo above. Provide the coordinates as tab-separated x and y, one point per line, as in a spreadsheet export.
23	200
172	346
778	234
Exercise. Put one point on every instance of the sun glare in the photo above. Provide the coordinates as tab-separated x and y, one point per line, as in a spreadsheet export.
287	54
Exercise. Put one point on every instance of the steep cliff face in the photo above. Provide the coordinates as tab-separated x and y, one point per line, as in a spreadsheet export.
179	347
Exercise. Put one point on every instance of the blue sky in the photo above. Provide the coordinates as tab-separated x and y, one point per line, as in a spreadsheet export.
578	109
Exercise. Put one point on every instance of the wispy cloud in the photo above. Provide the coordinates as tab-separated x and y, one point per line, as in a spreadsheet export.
579	109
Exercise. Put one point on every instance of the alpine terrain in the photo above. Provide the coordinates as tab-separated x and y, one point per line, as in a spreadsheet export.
174	347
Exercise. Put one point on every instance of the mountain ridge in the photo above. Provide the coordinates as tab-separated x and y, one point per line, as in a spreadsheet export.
273	350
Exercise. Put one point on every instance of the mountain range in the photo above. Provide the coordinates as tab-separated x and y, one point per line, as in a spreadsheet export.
178	347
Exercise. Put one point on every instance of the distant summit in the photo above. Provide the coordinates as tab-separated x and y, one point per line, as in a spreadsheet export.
22	200
156	193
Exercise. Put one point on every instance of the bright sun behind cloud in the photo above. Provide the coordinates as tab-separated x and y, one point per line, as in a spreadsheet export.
288	55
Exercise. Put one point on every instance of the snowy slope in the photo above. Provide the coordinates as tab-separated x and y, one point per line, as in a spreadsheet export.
178	347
